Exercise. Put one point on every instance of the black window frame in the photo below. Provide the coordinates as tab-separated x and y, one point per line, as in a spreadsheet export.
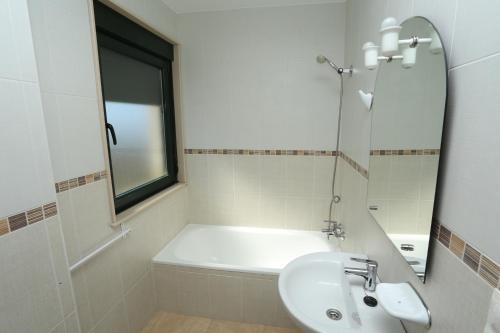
119	34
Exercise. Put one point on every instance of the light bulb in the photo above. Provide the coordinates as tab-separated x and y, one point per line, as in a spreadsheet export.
371	55
409	57
389	30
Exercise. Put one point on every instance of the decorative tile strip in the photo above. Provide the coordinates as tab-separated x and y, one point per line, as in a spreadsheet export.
79	181
270	152
23	219
382	152
485	267
355	165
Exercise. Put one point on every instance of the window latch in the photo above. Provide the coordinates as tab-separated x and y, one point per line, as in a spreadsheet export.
111	130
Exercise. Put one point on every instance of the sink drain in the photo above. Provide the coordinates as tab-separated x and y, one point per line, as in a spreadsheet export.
334	314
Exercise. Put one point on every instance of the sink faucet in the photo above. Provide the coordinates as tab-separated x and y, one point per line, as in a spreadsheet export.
369	273
334	229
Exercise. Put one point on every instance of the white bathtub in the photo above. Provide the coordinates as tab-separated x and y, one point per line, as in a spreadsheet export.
240	249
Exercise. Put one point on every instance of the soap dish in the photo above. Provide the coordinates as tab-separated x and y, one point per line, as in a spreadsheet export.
402	301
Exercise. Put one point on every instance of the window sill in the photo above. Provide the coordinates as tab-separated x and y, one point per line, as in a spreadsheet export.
129	213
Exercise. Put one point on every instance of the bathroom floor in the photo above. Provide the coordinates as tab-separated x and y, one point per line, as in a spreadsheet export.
164	322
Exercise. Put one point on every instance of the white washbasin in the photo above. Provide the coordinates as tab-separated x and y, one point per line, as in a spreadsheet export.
311	285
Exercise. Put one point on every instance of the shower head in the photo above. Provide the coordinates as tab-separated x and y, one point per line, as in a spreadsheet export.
321	59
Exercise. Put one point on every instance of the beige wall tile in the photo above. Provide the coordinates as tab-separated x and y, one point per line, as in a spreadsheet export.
28	292
59	328
140	303
71	323
60	261
226	298
193	294
114	321
103	282
259	301
82	302
165	279
134	251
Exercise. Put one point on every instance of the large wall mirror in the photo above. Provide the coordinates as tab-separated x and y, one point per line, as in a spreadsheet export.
407	123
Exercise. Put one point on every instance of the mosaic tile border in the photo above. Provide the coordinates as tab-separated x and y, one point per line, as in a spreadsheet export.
400	152
355	165
26	218
270	152
69	184
483	266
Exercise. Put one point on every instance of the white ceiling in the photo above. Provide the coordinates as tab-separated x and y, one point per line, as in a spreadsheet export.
191	6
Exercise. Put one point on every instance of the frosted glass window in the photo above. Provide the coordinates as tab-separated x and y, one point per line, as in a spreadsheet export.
134	108
137	88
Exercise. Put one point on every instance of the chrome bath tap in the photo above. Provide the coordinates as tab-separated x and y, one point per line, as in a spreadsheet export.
334	229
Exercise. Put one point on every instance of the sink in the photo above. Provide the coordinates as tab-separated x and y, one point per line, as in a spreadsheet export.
320	298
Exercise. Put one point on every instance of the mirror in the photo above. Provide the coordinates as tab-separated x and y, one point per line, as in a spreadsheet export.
407	123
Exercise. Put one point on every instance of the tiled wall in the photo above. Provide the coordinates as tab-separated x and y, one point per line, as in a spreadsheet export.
114	292
467	194
277	191
219	294
250	78
35	287
403	187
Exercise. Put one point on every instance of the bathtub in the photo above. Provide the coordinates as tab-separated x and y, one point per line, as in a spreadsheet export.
230	273
240	249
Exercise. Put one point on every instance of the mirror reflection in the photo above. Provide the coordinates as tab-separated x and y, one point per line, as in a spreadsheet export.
407	121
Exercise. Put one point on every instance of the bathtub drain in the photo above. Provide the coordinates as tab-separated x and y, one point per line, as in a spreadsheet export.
334	314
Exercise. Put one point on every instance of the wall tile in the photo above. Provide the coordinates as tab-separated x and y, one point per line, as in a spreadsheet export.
475	19
67	34
9	66
115	321
60	262
71	323
28	292
134	251
140	303
165	279
192	294
218	90
92	215
470	126
32	183
74	135
82	301
23	41
226	298
59	328
103	281
259	302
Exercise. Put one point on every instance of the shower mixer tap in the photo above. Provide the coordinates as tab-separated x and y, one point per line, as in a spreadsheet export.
334	229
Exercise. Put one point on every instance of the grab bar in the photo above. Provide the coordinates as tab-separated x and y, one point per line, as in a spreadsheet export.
100	249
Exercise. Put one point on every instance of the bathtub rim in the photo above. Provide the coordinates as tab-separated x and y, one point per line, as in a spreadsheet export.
231	267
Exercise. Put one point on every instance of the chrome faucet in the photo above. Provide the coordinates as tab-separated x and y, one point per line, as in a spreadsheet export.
334	229
369	273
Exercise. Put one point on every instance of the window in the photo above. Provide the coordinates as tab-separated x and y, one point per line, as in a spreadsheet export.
136	75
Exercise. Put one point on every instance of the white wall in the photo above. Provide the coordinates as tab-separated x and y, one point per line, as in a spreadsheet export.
35	287
114	292
468	196
250	78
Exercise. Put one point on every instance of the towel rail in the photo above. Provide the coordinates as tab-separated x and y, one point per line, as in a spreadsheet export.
84	260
